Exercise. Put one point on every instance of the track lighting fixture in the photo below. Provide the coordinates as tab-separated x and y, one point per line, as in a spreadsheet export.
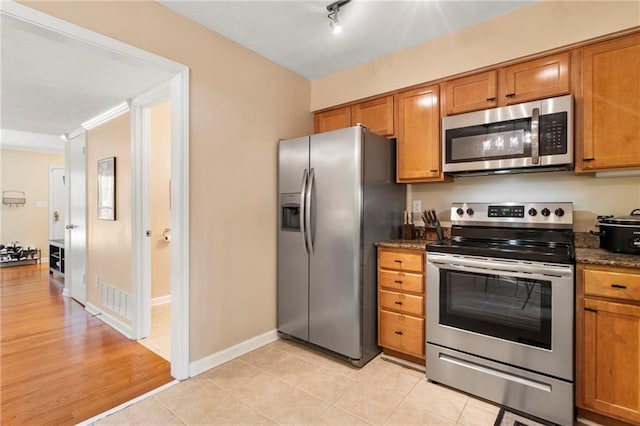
333	9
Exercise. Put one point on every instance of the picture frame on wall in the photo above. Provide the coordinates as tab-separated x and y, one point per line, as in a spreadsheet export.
107	188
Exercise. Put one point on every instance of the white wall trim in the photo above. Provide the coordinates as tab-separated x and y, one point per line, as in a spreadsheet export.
225	355
161	300
32	142
110	320
107	115
124	405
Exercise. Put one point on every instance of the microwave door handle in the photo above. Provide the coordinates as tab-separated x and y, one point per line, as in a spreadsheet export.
303	191
535	136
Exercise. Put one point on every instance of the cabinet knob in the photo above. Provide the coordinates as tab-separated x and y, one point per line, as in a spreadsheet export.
398	281
397	302
398	261
398	332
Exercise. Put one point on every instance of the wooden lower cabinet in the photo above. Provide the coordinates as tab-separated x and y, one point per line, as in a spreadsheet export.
401	303
608	342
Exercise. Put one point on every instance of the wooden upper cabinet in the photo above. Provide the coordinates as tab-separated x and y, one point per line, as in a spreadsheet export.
536	79
418	133
471	93
525	81
376	115
610	107
333	119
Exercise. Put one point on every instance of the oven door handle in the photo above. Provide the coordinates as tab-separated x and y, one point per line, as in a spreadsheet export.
488	267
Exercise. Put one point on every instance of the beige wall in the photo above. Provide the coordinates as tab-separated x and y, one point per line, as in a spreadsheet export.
109	241
240	105
537	28
27	172
160	203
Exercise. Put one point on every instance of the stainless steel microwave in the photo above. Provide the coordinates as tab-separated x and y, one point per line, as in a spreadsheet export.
531	136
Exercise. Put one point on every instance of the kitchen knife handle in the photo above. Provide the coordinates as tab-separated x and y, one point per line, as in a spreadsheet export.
535	136
303	191
618	286
307	210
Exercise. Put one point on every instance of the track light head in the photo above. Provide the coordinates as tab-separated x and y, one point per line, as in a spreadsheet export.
333	9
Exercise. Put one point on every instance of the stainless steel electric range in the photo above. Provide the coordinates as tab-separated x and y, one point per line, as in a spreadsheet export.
500	306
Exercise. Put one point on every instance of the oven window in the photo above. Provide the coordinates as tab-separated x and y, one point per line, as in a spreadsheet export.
509	308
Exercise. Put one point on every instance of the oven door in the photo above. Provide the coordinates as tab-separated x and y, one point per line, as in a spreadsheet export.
511	311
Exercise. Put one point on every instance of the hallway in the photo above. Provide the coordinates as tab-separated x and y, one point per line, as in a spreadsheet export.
60	365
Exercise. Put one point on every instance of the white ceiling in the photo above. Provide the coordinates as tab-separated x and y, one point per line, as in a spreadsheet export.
296	34
51	83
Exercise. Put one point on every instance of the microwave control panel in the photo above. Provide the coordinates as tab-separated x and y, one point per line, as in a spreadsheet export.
553	134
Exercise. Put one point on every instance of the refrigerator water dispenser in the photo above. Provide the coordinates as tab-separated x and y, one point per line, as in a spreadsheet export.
290	212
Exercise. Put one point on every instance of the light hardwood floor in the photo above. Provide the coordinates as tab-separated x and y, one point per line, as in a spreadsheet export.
59	365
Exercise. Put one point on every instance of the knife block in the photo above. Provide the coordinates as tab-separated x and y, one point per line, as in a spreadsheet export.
408	232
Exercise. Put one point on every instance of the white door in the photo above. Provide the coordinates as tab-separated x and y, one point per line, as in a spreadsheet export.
76	235
57	202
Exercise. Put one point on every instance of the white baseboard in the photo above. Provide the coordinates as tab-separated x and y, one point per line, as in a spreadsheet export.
66	292
161	300
225	355
110	320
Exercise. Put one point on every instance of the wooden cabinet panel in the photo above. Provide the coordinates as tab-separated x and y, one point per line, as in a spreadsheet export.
418	132
612	358
376	115
403	333
471	93
608	343
612	285
400	302
610	107
333	119
401	281
539	78
408	260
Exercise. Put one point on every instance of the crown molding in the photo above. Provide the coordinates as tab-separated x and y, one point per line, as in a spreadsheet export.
108	115
34	142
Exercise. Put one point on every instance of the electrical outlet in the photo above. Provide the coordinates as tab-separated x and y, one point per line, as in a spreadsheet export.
417	206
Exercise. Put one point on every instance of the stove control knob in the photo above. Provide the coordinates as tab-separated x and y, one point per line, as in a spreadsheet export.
532	212
470	211
460	211
545	212
559	212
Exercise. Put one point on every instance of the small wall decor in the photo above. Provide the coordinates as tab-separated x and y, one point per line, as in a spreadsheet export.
13	198
107	188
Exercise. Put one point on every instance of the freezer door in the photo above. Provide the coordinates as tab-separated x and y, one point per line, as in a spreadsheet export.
293	262
335	262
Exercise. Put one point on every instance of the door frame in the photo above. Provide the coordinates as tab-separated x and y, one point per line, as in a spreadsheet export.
179	96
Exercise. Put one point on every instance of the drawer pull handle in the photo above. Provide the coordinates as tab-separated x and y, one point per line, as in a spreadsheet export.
397	302
590	309
398	332
398	281
491	99
510	95
398	261
618	286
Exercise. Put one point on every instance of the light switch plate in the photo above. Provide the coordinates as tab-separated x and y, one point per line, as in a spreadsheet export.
417	206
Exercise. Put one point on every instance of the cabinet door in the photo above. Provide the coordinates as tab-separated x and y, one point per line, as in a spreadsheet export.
471	93
539	78
403	333
333	119
611	359
376	114
611	105
418	132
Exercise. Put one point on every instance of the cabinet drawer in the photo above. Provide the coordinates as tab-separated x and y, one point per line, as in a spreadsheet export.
402	281
401	260
403	333
400	302
612	284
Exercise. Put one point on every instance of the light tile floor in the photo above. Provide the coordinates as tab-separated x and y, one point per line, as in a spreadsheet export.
159	341
289	384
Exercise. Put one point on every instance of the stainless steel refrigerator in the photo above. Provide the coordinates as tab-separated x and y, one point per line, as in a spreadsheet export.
337	197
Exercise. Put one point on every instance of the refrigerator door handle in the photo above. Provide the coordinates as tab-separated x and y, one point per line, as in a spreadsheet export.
303	192
307	212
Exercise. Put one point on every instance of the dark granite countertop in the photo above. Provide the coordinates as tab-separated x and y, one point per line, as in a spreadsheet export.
405	244
598	256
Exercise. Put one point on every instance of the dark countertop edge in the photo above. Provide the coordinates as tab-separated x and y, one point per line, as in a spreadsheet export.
597	256
405	244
